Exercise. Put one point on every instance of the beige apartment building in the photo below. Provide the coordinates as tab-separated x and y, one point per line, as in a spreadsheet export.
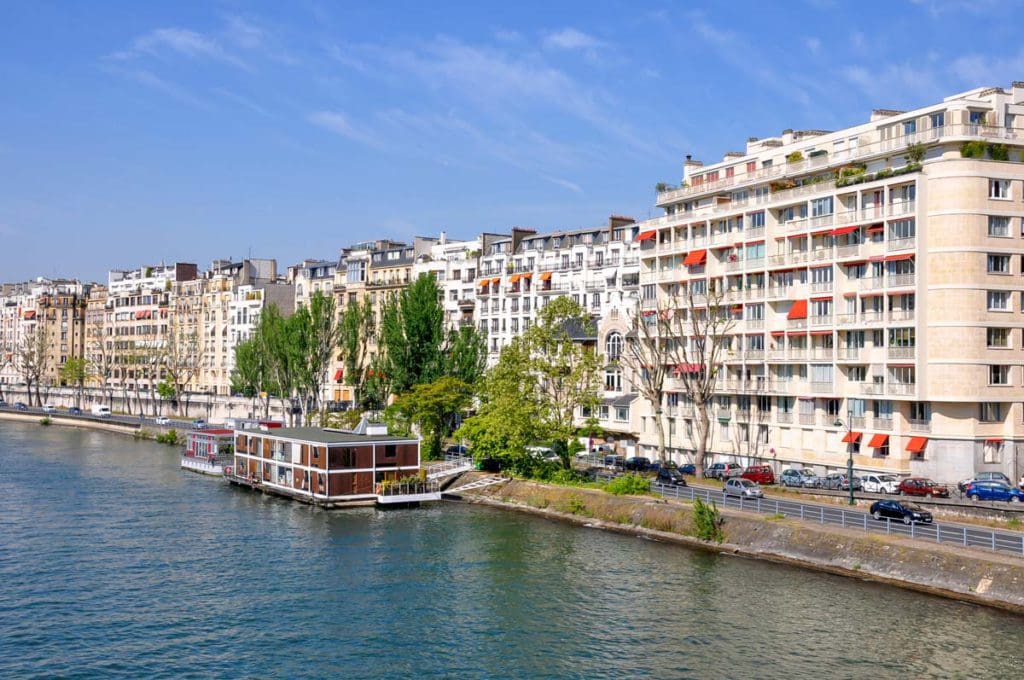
872	277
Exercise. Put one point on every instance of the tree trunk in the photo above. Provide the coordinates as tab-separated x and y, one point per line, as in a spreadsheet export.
703	428
660	428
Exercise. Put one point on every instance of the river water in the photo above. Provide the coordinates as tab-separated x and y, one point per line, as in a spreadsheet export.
115	563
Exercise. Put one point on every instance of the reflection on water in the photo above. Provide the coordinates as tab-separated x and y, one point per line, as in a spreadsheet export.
116	563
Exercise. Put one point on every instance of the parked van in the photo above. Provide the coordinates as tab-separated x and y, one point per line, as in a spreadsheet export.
99	410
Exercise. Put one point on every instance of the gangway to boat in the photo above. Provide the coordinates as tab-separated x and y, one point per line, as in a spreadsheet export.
452	465
479	484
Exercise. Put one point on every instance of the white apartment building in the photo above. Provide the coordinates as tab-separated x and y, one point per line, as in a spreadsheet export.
244	309
873	276
453	264
598	268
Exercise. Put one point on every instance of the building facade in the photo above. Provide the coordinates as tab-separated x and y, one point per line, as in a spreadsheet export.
872	279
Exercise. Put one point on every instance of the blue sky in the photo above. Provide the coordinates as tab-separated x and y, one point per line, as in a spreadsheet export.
137	132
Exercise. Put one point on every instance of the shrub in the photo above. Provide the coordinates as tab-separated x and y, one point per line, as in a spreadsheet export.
45	420
169	437
794	157
707	521
998	152
972	150
567	477
915	153
574	505
629	485
882	174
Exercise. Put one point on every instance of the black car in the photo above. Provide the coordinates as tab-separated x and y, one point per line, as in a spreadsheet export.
688	469
3	404
654	467
615	462
74	411
457	450
908	512
637	463
670	477
20	406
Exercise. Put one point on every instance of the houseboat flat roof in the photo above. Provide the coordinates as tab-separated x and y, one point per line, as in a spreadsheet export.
321	436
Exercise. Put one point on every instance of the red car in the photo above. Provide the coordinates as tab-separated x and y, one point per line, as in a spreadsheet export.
762	474
921	486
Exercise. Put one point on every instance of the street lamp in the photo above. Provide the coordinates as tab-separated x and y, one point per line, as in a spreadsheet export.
849	450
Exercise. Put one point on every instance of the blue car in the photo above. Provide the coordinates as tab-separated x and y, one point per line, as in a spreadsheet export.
688	469
993	491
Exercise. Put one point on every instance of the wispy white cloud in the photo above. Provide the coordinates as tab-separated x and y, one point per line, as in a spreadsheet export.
155	82
813	44
244	34
895	84
243	101
339	123
507	36
938	8
571	39
180	41
564	183
977	70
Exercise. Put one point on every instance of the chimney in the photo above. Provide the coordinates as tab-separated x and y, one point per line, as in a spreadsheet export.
444	239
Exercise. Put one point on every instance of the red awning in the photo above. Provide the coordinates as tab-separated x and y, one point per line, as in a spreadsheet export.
695	258
688	368
821	332
798	310
896	258
338	374
737	308
821	298
754	243
30	313
878	441
994	440
643	236
778	334
844	230
845	295
851	438
876	229
514	278
917	444
798	331
822	232
876	258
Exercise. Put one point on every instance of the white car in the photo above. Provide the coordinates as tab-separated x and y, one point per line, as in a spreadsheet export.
879	483
163	420
744	488
49	408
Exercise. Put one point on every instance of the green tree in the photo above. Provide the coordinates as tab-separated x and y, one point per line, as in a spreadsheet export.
412	336
466	355
566	371
355	335
320	332
433	407
251	374
74	372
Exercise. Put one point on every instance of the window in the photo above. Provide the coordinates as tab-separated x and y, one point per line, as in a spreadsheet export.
909	127
756	220
622	413
977	117
613	346
902	229
613	381
998	337
999	375
999	226
821	206
990	412
998	264
998	300
920	411
993	451
999	188
938	120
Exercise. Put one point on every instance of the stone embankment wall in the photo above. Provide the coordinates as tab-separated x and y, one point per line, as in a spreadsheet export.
91	424
964	574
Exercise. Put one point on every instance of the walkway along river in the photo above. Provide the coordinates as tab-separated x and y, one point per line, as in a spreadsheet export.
114	562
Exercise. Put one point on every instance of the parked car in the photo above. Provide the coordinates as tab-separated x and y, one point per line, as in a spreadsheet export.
670	477
879	483
20	406
921	486
901	510
655	466
762	474
162	420
3	404
993	491
543	453
74	411
723	471
984	477
49	408
617	462
744	488
688	469
601	449
839	480
456	450
198	424
801	477
637	463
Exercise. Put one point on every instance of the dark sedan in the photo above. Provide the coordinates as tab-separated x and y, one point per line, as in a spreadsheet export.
20	407
637	463
901	510
670	477
688	469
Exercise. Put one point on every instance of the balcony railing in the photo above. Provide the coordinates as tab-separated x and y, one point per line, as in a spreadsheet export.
821	287
822	387
783	417
901	243
901	352
901	389
880	423
870	283
821	320
872	388
808	419
920	425
901	280
901	315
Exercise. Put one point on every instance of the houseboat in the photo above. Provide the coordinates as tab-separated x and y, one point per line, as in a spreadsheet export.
208	452
331	467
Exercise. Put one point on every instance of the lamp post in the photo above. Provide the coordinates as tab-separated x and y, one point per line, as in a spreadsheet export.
849	450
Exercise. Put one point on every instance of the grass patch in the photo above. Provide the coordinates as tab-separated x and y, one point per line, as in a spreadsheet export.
170	437
45	420
707	521
573	504
629	485
775	517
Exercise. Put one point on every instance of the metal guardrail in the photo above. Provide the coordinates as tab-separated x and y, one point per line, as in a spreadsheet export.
968	537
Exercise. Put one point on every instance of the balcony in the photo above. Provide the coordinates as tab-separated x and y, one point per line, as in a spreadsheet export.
821	287
796	353
872	317
901	352
902	208
776	260
808	419
881	423
858	422
850	250
872	388
900	243
870	283
849	353
755	324
784	418
901	315
901	280
901	389
822	387
822	354
821	320
919	425
846	319
778	292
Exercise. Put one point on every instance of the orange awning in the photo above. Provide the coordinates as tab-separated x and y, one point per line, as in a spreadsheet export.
696	257
545	276
496	282
515	278
646	235
30	313
994	440
483	284
778	334
844	230
917	444
878	441
798	310
528	275
904	256
851	438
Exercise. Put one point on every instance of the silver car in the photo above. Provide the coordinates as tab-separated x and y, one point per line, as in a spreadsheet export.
744	488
